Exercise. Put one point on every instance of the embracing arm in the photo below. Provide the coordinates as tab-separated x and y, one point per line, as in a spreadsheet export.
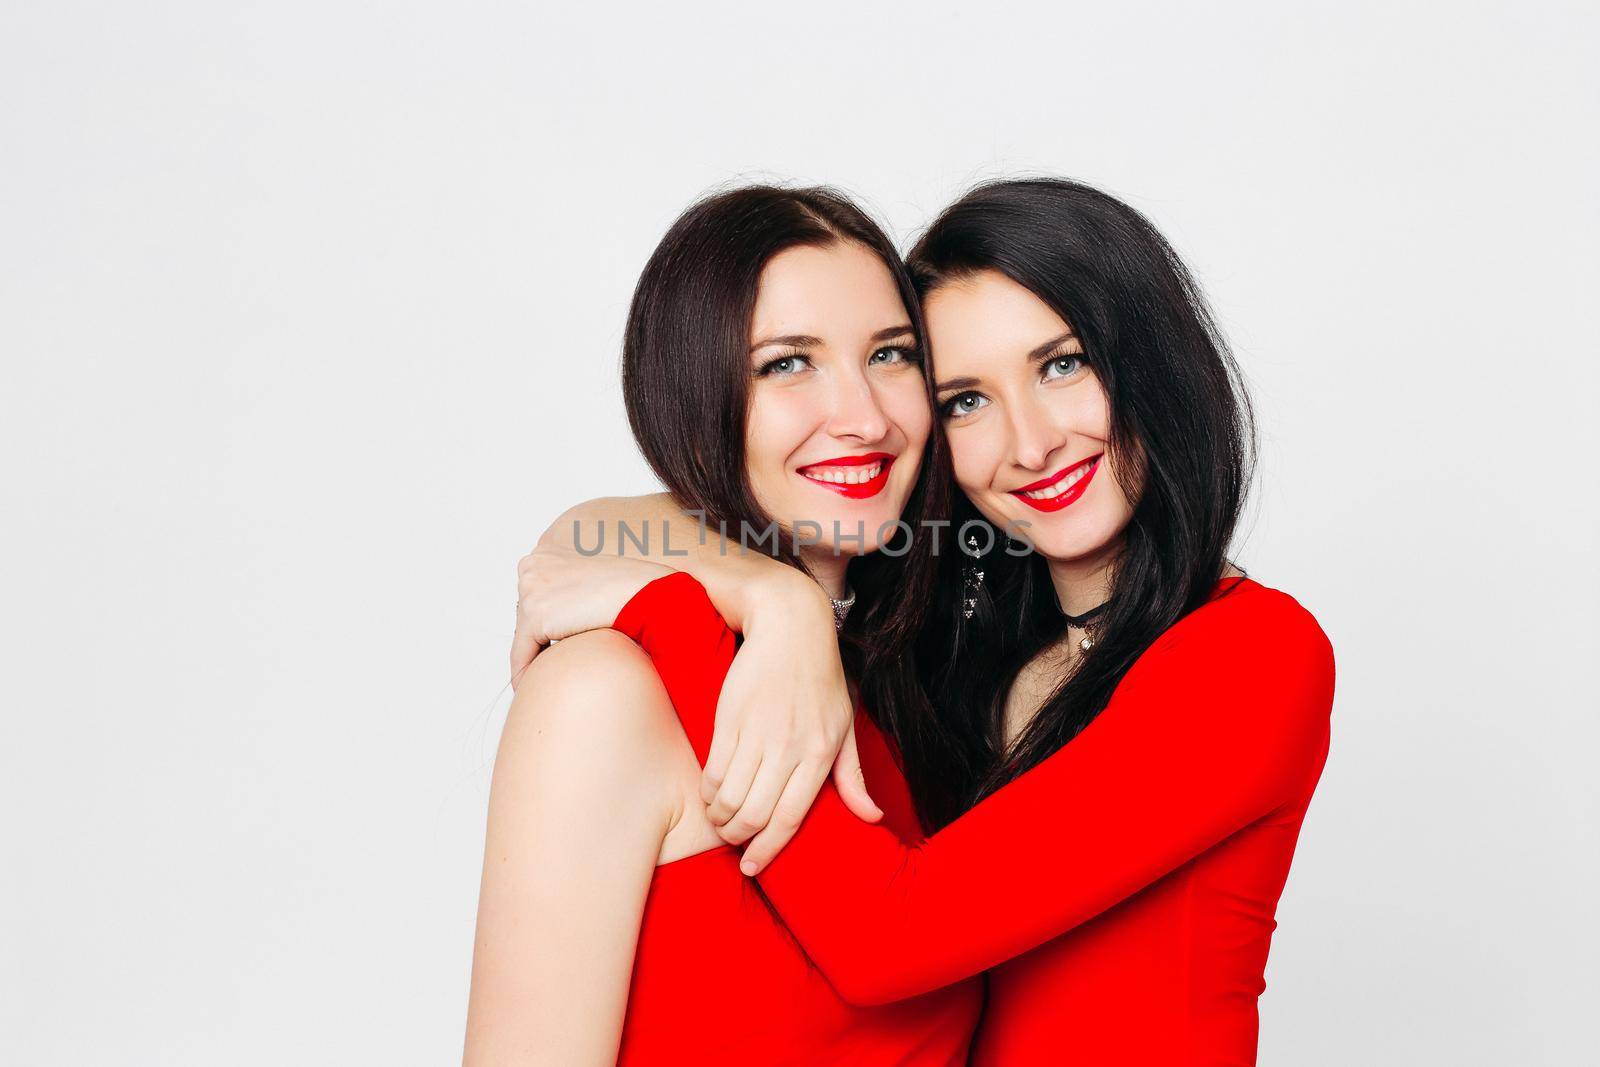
785	717
747	587
1222	722
578	811
752	591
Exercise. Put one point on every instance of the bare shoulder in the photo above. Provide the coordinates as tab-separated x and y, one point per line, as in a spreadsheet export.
624	505
598	682
592	717
596	659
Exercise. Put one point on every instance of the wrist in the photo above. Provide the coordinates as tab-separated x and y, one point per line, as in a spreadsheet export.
786	597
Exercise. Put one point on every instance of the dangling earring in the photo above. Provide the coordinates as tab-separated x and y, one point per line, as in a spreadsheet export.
971	579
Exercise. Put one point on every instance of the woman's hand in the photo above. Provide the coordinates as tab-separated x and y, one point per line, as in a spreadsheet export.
561	593
785	718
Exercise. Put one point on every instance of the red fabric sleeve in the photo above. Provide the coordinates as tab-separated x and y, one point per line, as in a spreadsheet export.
691	646
1221	723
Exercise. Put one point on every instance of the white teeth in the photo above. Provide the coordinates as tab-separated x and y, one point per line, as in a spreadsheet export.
845	475
1050	492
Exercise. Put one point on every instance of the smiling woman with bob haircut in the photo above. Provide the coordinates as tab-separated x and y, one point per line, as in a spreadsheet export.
773	375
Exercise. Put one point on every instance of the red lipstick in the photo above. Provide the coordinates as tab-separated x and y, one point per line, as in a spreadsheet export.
854	490
1056	503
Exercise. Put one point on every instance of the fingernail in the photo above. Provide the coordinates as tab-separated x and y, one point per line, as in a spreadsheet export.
747	868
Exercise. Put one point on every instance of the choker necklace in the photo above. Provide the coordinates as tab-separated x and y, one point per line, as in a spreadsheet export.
1082	622
841	608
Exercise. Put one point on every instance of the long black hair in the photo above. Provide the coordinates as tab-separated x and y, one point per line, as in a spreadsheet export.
686	384
1181	435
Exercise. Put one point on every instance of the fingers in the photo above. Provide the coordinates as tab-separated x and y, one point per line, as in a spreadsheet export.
523	648
724	740
756	811
786	817
736	786
851	783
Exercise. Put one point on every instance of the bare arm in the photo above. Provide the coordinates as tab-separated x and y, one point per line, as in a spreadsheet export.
740	583
578	812
785	717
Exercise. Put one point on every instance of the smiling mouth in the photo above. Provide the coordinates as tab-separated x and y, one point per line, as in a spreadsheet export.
852	476
1060	489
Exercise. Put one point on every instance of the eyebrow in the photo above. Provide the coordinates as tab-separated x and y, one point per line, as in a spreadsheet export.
794	340
805	340
1043	350
1039	352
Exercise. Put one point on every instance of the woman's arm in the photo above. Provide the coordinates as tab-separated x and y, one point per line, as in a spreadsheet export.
578	811
1222	722
785	717
745	585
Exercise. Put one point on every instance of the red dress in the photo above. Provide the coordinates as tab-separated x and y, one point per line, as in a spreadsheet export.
717	979
1122	891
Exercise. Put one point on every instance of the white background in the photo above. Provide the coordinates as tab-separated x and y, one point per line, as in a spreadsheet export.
310	316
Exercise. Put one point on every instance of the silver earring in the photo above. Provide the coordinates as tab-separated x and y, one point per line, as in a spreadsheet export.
971	580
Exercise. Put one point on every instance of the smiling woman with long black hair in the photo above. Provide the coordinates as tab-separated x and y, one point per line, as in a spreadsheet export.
1133	729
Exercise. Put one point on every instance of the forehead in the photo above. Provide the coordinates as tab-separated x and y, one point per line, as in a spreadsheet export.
986	315
835	290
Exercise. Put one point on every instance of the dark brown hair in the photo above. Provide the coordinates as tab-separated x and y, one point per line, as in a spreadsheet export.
686	382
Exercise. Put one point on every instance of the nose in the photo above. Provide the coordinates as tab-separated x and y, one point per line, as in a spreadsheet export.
1036	436
855	410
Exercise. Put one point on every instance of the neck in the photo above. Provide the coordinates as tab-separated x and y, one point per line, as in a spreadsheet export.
829	570
1081	584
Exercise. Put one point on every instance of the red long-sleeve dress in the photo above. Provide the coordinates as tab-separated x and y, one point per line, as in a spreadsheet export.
718	980
1121	893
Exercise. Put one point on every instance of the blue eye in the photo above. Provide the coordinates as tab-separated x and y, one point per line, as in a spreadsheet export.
963	404
895	354
1063	367
784	365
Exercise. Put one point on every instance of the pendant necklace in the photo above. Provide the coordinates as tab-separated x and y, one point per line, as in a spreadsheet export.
1082	622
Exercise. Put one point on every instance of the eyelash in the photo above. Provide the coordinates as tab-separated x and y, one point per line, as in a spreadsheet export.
947	410
908	355
767	367
947	407
1059	357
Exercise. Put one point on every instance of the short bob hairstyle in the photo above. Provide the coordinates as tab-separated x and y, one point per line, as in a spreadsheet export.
686	381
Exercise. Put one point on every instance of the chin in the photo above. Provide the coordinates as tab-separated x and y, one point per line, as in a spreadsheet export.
1056	537
1071	544
870	521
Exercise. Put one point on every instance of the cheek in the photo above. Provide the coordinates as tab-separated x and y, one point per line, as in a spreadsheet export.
906	405
1090	411
779	422
764	450
1092	419
1120	500
974	457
